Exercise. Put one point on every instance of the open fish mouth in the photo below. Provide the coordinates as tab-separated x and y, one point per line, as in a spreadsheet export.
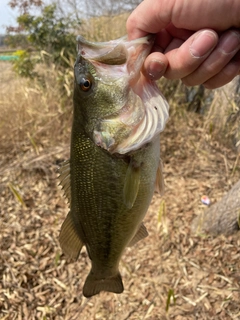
125	57
143	111
114	52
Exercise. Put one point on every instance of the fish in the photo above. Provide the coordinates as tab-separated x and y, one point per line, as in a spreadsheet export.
114	166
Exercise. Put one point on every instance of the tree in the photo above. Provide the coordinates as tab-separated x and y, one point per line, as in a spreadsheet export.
18	40
223	217
24	7
48	34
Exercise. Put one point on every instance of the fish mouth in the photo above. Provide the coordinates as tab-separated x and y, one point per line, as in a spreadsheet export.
142	111
120	52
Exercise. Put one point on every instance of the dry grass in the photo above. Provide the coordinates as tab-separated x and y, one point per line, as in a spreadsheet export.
194	277
224	115
104	28
32	113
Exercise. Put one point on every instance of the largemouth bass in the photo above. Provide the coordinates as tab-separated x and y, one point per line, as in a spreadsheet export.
114	164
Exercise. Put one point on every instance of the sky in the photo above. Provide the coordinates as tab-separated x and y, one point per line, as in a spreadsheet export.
6	15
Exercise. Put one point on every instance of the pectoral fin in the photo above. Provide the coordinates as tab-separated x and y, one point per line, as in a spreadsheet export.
140	234
159	183
131	185
70	241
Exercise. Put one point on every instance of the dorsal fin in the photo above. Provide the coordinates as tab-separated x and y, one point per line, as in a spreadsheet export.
65	179
69	239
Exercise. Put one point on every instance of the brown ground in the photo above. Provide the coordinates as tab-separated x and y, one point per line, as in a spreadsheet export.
194	277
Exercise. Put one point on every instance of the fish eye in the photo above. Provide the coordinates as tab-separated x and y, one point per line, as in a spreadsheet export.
85	84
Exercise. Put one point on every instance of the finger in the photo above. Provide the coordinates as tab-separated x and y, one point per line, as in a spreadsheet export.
166	36
174	44
229	44
227	74
151	16
146	18
185	59
155	65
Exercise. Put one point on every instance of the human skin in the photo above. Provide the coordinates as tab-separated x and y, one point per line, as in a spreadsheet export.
197	41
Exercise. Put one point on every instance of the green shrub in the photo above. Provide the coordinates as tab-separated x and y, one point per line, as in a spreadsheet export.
51	40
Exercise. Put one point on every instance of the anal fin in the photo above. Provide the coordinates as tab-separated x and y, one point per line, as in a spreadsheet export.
70	241
140	234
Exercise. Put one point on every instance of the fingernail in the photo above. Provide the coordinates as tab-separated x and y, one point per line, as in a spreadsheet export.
203	43
230	42
156	69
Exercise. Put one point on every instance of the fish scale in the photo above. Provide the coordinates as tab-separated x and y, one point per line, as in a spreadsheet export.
113	170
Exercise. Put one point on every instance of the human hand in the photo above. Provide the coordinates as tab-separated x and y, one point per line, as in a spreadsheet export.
193	42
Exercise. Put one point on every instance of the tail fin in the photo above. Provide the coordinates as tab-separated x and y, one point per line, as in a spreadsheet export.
94	285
